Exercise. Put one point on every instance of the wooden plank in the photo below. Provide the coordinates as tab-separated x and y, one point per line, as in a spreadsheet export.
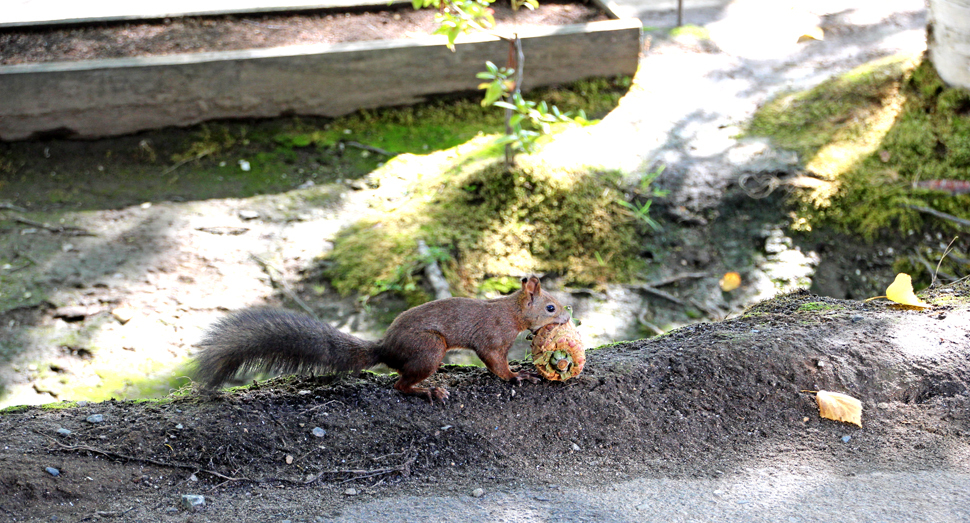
29	13
111	97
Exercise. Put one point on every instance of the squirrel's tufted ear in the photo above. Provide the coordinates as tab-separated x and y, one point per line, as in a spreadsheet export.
531	285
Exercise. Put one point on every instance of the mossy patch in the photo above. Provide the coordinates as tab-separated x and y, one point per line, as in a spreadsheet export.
253	157
873	135
690	31
491	222
816	306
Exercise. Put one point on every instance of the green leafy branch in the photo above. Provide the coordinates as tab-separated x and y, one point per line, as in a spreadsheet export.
502	88
455	18
500	91
641	211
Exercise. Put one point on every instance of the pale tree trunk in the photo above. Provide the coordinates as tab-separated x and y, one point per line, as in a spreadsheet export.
948	40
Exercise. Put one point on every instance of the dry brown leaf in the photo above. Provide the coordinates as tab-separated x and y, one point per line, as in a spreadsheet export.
839	407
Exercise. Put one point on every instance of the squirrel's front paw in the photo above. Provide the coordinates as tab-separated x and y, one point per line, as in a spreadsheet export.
522	375
438	394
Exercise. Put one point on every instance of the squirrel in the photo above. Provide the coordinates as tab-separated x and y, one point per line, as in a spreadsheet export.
414	345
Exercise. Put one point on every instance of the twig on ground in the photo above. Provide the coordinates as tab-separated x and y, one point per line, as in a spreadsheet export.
282	285
650	326
711	313
116	455
433	272
939	214
378	150
11	207
318	407
678	277
404	469
187	160
946	251
58	229
929	268
659	293
960	259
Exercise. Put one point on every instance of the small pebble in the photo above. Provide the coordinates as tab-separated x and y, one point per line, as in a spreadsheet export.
846	439
192	501
350	492
248	215
123	314
576	448
477	493
95	418
63	432
53	472
318	432
179	426
856	319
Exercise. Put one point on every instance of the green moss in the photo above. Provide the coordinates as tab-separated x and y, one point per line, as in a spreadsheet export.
284	153
147	381
817	306
694	31
492	223
501	285
15	409
873	134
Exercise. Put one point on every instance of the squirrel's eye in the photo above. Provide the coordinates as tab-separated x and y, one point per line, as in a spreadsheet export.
551	308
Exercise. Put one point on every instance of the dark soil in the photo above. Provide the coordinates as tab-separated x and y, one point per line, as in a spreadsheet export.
226	33
710	400
699	402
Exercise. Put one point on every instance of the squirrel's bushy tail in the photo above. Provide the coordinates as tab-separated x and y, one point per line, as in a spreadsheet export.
279	341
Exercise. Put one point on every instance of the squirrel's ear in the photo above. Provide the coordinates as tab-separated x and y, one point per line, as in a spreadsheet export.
531	285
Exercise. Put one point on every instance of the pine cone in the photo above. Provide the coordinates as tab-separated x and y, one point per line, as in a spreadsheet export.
558	352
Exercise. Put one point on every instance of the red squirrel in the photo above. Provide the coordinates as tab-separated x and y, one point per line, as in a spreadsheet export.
414	345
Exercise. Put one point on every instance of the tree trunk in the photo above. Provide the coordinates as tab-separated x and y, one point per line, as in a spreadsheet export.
948	40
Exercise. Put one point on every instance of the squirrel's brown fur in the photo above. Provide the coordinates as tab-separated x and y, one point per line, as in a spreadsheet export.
414	345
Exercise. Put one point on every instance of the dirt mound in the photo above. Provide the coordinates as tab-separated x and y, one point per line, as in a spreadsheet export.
700	401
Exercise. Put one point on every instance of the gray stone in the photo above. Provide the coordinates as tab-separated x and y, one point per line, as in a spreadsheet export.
192	501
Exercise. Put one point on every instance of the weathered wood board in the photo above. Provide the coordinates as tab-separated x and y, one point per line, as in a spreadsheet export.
118	96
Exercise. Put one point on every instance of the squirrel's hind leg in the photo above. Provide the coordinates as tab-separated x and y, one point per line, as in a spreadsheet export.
406	384
419	367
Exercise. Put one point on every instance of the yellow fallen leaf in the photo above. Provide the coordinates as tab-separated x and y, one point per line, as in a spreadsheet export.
839	407
901	291
730	281
814	33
